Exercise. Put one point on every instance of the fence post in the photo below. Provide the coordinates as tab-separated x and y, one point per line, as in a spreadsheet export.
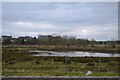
66	63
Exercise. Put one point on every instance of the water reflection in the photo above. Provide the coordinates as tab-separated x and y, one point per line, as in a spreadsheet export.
74	54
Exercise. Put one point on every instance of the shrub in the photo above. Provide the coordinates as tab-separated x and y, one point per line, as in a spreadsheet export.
68	61
37	61
11	58
90	64
7	60
11	62
102	69
113	63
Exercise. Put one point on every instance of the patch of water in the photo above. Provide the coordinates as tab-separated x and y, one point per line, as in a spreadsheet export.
73	54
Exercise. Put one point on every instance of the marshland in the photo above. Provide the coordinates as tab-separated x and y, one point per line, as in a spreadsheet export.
17	60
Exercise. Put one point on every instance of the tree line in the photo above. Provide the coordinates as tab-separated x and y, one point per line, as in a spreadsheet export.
52	40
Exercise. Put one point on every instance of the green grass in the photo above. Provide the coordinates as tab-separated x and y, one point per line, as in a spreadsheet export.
46	68
104	74
96	48
17	63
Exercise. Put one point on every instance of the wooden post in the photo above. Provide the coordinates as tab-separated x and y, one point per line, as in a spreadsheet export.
52	62
99	61
66	63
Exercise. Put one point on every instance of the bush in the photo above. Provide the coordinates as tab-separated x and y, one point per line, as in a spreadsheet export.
102	69
11	62
113	63
68	61
11	58
7	60
90	64
38	61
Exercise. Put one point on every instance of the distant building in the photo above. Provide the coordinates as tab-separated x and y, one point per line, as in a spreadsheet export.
23	40
13	40
43	36
6	38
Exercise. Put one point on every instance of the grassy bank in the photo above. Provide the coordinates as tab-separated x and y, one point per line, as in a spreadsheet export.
59	68
95	48
21	63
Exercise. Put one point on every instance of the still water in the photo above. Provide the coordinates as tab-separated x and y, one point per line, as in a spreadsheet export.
74	54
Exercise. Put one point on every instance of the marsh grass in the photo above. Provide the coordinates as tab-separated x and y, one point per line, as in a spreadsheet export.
17	61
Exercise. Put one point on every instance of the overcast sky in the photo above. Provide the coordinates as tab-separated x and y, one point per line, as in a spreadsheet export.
92	20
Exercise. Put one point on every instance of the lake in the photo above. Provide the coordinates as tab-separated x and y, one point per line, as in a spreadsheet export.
74	54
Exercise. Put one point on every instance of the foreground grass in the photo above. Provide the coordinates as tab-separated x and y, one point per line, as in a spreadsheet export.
57	74
18	62
46	68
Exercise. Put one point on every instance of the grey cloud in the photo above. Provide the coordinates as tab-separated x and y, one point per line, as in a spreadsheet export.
63	16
